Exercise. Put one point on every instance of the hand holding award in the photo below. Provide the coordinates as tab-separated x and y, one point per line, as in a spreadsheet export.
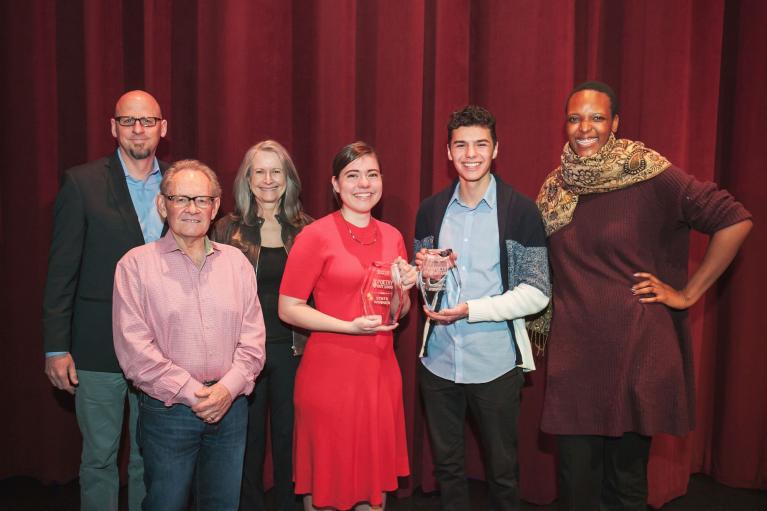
439	280
382	292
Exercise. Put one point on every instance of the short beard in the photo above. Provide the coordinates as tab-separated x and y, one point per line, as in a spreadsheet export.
139	155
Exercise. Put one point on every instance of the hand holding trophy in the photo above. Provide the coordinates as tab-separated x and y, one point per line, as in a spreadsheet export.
382	292
439	280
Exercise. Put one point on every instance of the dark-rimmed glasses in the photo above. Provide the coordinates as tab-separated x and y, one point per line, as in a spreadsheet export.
183	201
147	122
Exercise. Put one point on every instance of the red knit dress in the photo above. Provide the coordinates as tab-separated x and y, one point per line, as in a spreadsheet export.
349	440
614	364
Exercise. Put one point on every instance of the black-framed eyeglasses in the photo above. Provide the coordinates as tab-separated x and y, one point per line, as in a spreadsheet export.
147	122
183	201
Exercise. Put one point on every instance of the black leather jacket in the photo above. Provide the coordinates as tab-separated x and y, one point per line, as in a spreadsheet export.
231	230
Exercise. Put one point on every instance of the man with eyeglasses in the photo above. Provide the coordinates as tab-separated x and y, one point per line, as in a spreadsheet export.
104	208
189	333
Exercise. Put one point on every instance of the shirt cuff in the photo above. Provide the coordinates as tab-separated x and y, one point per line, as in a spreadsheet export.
234	383
49	354
185	394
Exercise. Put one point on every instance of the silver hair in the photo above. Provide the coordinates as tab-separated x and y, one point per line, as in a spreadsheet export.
245	203
193	165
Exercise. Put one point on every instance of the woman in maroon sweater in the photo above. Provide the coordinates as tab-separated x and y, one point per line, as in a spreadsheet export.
618	216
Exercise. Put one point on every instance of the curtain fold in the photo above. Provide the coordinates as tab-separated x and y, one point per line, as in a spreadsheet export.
316	75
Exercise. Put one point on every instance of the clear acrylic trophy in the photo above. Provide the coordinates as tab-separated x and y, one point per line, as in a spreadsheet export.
439	280
382	292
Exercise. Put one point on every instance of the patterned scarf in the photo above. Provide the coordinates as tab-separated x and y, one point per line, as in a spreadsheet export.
618	164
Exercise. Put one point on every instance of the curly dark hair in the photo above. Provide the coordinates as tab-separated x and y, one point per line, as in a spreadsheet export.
471	115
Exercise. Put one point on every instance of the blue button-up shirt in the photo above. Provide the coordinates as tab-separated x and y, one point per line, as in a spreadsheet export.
466	352
143	194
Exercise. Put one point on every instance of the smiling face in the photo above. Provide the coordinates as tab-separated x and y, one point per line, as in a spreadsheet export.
190	223
359	185
589	122
472	152
138	142
267	178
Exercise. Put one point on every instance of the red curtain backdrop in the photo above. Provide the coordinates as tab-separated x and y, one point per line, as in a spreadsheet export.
316	75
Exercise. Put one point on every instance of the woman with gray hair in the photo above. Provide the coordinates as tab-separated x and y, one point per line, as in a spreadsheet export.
266	220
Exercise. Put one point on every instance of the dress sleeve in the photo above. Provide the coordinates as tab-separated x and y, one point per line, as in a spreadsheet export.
305	264
705	207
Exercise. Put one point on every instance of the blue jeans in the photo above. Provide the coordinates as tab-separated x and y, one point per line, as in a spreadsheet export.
100	405
183	455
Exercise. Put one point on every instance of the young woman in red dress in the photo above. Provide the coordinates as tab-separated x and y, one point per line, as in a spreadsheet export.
349	441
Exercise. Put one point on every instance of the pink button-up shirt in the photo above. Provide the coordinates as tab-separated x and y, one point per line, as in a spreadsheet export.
176	325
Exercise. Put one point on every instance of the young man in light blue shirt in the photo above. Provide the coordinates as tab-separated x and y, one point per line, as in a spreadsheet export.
474	353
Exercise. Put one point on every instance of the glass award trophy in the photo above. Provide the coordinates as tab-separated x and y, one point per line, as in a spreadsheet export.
439	280
382	292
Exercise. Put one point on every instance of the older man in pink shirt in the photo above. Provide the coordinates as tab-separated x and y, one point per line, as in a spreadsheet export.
188	332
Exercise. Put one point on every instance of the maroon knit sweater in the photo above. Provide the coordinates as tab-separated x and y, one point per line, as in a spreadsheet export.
614	364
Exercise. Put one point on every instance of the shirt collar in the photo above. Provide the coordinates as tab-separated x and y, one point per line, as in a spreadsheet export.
489	198
168	244
155	166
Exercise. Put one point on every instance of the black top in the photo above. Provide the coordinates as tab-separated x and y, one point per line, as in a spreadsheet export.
271	266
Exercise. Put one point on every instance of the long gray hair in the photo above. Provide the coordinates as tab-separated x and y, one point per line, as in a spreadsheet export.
245	202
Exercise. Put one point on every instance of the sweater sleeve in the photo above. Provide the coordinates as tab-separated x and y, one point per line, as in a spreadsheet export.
423	238
515	303
706	207
529	284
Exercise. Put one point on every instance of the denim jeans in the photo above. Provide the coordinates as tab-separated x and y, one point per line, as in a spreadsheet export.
184	455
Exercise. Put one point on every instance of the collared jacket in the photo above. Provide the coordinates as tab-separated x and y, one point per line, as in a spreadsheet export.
94	225
523	257
232	230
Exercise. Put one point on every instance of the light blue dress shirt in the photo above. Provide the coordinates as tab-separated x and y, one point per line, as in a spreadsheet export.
466	352
143	194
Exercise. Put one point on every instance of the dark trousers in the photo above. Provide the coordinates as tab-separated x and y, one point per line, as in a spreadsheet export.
274	391
495	408
603	473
